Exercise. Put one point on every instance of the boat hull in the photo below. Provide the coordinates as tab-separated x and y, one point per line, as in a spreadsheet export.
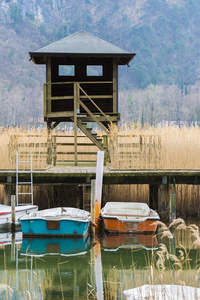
58	221
129	217
115	225
41	227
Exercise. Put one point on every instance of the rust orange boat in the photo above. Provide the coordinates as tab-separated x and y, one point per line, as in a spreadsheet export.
128	217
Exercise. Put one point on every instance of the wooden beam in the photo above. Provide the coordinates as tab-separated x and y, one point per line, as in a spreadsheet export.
60	114
55	124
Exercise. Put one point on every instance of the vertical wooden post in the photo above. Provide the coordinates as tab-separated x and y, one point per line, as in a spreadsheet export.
92	207
115	87
75	124
9	189
48	80
78	97
153	196
98	186
49	143
164	202
54	150
13	213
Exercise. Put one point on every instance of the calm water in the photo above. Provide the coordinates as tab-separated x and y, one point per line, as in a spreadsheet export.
75	269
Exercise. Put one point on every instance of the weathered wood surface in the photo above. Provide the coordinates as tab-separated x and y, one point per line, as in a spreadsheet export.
83	174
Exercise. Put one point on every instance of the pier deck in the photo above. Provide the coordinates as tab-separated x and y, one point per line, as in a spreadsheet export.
83	174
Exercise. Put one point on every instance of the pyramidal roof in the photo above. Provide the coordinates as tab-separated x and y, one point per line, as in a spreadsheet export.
80	43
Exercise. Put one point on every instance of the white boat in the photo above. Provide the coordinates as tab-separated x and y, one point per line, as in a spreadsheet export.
164	291
20	211
59	221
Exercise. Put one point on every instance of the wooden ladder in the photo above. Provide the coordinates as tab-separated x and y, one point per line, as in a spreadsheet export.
27	183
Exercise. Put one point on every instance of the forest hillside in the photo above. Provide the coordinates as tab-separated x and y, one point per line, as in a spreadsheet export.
162	83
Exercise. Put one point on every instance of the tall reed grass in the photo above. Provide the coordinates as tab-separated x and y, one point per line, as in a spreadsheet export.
134	147
33	139
130	147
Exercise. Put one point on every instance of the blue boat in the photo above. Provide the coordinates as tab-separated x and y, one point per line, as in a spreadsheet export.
59	222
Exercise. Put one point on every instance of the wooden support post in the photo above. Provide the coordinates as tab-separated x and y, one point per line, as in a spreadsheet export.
48	80
163	208
92	207
8	191
75	124
115	85
153	197
54	150
13	213
98	186
49	144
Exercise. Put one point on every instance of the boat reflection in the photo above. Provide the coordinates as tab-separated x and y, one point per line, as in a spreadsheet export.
8	238
64	247
114	242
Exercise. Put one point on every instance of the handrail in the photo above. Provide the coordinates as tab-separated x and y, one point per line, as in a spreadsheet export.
49	97
93	102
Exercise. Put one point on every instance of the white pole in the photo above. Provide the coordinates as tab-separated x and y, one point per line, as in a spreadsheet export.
92	207
98	185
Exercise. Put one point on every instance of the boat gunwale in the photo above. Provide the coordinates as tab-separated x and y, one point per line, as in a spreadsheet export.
132	220
55	218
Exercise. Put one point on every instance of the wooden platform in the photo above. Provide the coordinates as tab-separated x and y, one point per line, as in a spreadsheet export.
83	174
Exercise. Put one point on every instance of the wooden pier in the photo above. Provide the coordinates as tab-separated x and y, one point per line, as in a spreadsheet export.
159	181
84	174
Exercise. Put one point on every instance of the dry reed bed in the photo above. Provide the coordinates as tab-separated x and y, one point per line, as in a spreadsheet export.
131	147
35	140
134	147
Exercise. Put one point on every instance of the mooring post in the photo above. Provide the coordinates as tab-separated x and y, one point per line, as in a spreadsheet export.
13	213
98	186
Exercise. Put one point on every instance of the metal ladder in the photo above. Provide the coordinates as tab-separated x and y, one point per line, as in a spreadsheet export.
18	183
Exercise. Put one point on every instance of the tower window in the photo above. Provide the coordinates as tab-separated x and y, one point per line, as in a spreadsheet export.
94	70
66	70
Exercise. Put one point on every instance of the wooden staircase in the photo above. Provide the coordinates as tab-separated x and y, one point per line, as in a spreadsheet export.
80	119
88	132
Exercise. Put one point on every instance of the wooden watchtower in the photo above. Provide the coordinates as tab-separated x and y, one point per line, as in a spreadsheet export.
81	83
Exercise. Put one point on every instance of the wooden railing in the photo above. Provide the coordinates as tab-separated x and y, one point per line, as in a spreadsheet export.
135	151
62	149
76	97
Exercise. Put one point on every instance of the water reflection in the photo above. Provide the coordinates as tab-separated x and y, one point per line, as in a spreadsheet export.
131	241
79	268
65	247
